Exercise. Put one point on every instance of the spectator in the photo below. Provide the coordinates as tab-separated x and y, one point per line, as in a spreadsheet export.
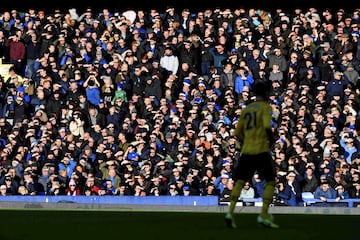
219	54
324	192
310	182
341	193
289	192
3	190
72	190
17	52
169	61
247	191
221	182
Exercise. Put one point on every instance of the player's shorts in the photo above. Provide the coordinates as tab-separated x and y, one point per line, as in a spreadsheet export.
249	164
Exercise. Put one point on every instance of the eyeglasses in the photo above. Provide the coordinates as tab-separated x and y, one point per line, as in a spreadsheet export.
349	142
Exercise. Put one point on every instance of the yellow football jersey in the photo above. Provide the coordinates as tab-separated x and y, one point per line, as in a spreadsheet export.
251	127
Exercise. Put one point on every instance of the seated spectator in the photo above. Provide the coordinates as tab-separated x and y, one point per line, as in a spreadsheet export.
258	185
324	192
354	190
247	191
73	189
289	192
341	193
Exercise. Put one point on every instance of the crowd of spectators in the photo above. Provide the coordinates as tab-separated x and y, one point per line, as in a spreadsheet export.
145	103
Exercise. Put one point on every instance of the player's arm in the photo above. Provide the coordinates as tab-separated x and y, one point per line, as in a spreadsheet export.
267	126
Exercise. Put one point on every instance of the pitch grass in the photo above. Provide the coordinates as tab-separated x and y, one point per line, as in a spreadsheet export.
106	225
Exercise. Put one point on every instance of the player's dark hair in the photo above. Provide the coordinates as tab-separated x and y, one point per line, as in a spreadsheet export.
261	89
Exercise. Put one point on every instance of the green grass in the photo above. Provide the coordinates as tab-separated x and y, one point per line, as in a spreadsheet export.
99	225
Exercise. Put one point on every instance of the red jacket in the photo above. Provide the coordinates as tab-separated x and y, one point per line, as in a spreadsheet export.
17	50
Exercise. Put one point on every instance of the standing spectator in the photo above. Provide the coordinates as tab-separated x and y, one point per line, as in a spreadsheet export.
228	75
187	53
76	126
92	89
53	106
343	44
207	59
8	110
21	109
17	53
95	117
276	57
32	52
153	88
352	75
348	144
7	22
310	182
169	61
219	55
276	75
68	164
138	80
336	86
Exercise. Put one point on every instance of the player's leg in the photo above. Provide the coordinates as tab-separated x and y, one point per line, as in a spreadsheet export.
267	171
234	196
267	197
243	170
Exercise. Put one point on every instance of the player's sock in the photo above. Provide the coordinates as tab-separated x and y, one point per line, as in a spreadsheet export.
267	197
235	194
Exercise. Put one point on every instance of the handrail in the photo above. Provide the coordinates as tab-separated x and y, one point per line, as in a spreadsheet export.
306	201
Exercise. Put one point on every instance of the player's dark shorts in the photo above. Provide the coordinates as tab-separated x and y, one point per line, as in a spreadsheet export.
249	164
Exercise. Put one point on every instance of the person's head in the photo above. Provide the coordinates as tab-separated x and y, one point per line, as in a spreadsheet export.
261	89
325	186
